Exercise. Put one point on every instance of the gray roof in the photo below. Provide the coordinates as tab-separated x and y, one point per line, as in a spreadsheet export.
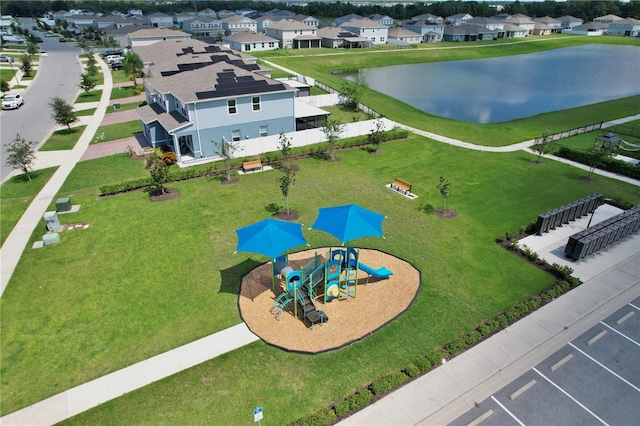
250	37
290	24
169	121
363	23
402	32
158	32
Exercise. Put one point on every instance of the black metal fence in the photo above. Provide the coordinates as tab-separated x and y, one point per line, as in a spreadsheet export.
569	133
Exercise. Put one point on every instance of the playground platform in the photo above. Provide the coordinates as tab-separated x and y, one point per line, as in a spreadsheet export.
350	319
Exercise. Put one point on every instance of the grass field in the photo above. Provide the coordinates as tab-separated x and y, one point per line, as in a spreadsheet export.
117	131
148	277
63	139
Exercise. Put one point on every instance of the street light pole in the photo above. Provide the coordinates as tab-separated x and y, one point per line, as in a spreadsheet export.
14	74
603	201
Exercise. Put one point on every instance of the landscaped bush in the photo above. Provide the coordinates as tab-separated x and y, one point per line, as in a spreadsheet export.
609	164
455	346
423	364
387	383
411	370
341	408
169	158
125	186
562	272
435	356
320	418
360	399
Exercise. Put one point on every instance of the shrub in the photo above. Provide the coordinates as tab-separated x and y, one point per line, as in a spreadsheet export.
321	418
435	357
573	282
411	370
472	338
360	399
341	408
125	186
486	329
423	364
502	320
169	158
609	164
534	302
565	286
562	272
387	383
456	346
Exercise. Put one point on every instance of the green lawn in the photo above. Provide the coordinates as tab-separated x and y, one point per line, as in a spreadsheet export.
586	141
120	76
85	112
63	139
124	107
108	301
16	195
7	74
126	91
117	131
345	116
92	96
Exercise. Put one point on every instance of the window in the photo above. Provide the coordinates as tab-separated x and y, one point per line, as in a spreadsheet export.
255	101
235	135
231	106
264	131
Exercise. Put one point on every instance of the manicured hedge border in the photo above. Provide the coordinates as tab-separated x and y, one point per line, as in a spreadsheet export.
609	164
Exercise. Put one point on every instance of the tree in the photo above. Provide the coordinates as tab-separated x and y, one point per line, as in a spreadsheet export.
284	144
599	152
377	134
354	91
62	112
159	174
543	145
4	86
332	130
443	187
132	64
26	66
226	149
92	69
86	82
286	181
21	155
32	48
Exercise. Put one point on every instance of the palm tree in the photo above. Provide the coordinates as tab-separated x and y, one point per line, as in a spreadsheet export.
132	64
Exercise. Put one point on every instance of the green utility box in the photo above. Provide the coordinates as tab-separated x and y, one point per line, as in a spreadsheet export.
49	239
63	204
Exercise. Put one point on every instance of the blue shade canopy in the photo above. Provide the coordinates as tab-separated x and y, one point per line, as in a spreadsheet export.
270	237
349	222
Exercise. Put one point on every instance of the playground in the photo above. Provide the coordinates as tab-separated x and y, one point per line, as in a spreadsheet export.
372	303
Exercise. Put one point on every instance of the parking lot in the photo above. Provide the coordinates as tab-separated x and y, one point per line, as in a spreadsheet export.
594	379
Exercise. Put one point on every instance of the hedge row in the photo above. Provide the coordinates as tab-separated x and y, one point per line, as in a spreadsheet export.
437	356
607	163
267	158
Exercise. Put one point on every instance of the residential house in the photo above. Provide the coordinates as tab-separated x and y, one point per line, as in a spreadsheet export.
376	33
159	19
108	20
210	13
60	14
305	19
430	31
179	18
245	11
468	32
336	38
606	19
250	42
489	23
121	34
502	16
553	23
523	22
135	12
203	26
588	29
145	37
514	31
263	22
627	27
542	29
79	22
403	37
381	19
294	35
568	22
458	19
198	94
237	24
224	13
428	17
346	18
280	13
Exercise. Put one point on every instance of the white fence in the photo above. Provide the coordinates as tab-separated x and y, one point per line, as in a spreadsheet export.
320	101
257	146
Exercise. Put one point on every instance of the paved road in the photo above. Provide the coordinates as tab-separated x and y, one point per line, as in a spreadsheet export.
58	75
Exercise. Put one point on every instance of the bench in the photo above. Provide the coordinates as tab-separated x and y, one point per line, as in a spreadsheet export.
401	186
252	165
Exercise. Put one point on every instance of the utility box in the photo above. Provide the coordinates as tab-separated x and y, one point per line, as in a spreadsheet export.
63	204
53	223
49	239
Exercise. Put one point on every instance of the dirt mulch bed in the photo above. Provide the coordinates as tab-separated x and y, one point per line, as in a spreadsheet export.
349	320
168	194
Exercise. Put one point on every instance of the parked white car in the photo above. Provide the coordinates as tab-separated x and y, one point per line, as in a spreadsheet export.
12	102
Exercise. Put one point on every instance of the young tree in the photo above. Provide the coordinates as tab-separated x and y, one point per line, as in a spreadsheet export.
332	130
159	174
21	155
377	134
354	91
132	64
286	181
284	144
226	149
62	112
443	187
86	82
92	68
4	86
32	48
543	146
26	66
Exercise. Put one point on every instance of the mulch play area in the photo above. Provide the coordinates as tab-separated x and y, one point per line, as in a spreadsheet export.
349	320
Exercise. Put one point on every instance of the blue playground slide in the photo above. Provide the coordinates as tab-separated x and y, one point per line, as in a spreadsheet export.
381	272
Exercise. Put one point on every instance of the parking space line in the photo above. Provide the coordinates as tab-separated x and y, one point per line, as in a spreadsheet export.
633	306
626	337
571	397
507	411
603	366
481	418
624	318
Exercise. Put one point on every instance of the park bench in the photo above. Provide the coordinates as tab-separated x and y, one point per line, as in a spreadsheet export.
254	165
401	186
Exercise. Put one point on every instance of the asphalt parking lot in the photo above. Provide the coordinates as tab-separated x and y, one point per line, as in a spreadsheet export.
594	379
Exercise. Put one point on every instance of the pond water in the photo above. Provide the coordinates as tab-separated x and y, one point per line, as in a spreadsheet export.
501	89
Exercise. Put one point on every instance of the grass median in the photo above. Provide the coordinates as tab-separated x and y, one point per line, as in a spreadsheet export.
63	139
117	131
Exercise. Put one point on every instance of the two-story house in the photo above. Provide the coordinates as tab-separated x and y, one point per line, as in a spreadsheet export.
554	23
265	21
606	19
294	34
523	22
203	26
159	19
198	94
403	37
381	19
458	19
376	33
238	23
338	38
627	27
346	18
306	19
145	37
568	22
428	17
430	31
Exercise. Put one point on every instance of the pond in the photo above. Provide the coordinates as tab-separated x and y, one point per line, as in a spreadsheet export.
502	89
